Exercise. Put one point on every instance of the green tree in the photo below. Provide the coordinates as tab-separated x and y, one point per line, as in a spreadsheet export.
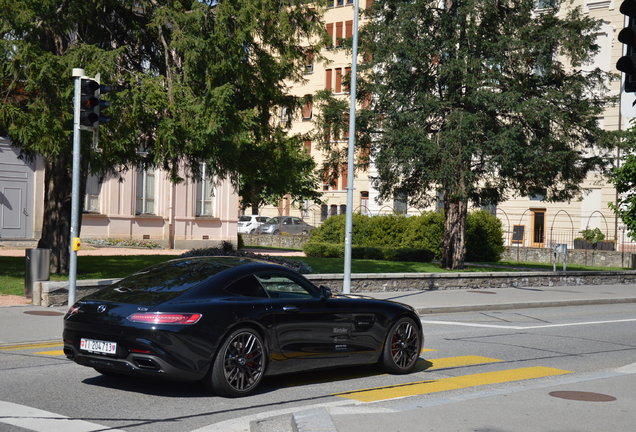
624	179
275	168
194	81
479	99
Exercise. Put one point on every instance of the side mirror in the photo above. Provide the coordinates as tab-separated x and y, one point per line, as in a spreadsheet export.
325	292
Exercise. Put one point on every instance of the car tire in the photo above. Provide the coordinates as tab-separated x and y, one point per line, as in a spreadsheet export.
253	230
402	347
239	365
276	232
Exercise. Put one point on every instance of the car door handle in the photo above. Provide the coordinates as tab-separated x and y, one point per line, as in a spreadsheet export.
289	308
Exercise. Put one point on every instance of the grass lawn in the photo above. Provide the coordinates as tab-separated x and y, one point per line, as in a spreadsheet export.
336	265
88	267
105	267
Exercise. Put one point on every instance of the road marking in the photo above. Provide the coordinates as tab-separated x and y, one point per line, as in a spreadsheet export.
452	383
51	353
43	421
499	326
449	362
25	346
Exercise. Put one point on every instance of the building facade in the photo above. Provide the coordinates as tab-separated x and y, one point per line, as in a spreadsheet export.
136	204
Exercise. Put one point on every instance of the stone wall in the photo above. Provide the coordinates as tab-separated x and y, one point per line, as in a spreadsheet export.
449	281
587	257
285	241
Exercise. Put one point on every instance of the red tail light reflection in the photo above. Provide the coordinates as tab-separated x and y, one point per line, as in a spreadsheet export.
165	318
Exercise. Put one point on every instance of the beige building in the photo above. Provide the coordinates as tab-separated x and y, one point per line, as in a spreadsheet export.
147	206
144	205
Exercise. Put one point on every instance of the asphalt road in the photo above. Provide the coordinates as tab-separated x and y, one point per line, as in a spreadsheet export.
482	371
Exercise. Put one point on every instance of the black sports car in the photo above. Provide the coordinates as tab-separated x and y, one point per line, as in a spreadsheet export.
228	321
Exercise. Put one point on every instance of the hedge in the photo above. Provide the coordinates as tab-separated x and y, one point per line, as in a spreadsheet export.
401	238
332	250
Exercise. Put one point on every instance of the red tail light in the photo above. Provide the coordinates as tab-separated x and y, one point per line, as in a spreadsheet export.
165	318
73	310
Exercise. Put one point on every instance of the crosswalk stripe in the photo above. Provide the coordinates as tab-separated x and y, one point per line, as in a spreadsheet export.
30	346
51	353
449	362
452	383
34	419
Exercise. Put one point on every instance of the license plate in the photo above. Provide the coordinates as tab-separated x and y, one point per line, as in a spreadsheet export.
98	346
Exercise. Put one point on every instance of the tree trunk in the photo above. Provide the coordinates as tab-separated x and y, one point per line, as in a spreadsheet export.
56	224
454	243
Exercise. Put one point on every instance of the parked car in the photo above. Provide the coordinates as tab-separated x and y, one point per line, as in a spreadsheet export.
248	224
228	321
284	224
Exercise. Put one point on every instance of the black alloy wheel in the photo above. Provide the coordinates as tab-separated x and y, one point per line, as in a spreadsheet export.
402	347
239	365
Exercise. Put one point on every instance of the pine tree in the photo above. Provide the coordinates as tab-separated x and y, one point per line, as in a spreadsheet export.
476	100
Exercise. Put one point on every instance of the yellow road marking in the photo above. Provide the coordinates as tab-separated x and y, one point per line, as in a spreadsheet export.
30	346
51	353
427	350
448	362
452	383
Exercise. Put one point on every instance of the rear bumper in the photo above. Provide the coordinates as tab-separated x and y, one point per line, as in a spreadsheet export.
143	352
134	364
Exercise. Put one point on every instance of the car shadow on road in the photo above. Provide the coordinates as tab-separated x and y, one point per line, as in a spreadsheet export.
167	388
149	386
339	374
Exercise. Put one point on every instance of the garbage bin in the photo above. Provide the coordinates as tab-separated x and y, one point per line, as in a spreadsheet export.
37	268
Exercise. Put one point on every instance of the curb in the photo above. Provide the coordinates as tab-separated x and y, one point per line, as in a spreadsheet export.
313	420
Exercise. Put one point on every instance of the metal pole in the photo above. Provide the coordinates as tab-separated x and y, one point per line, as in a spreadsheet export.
78	73
346	283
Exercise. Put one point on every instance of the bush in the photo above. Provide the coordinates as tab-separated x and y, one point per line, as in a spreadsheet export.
384	231
378	238
323	250
484	237
408	254
364	252
399	238
426	232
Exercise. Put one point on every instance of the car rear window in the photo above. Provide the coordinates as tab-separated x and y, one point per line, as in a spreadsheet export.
160	283
244	219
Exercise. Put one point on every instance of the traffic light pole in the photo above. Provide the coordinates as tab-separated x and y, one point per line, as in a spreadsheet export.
78	73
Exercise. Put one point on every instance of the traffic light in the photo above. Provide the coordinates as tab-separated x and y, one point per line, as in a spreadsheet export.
627	36
91	103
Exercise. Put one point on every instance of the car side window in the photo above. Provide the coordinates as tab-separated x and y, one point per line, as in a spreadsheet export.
281	286
247	287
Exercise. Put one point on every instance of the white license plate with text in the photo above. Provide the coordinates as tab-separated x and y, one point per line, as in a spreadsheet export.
98	346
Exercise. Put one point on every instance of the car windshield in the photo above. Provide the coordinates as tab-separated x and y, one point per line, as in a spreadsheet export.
273	220
245	218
